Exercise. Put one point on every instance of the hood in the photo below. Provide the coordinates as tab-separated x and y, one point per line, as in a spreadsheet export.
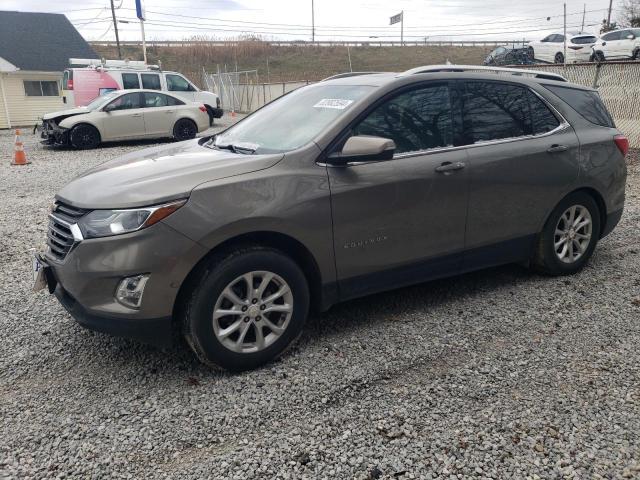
156	175
66	113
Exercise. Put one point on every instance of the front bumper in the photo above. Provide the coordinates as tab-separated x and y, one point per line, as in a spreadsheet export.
85	281
52	134
155	331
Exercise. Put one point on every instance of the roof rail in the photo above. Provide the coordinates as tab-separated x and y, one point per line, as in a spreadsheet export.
113	64
348	74
480	68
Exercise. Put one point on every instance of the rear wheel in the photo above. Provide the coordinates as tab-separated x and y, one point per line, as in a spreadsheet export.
245	308
84	137
184	129
559	58
569	237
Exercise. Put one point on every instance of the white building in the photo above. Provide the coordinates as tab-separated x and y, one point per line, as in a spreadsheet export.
34	50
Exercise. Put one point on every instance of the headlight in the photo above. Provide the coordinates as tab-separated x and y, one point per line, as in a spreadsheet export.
104	223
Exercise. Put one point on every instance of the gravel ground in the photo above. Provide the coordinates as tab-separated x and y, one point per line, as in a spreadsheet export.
494	374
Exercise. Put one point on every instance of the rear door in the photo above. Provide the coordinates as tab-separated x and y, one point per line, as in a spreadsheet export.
159	113
522	159
126	120
402	217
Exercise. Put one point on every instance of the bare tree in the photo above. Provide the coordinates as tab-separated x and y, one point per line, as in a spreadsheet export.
630	13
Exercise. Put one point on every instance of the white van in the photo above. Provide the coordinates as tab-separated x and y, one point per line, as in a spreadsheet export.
87	79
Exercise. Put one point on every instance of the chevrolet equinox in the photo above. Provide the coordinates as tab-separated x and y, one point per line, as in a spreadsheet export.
351	186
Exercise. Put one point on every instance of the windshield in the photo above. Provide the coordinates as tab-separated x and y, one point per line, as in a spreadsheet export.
102	100
293	120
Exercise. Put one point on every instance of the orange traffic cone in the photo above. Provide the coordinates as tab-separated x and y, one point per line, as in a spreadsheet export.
233	113
19	157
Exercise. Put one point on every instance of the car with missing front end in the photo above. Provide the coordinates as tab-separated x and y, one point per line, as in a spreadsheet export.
340	189
124	115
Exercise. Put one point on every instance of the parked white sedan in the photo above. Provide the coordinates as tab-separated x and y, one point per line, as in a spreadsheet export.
125	115
551	48
618	44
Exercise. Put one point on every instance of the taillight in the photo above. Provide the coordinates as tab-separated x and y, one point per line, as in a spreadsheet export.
70	84
622	143
203	108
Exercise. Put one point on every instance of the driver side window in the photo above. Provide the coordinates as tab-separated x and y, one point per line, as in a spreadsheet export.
126	102
416	120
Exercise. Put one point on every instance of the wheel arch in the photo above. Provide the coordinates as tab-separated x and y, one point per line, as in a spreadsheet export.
90	124
593	193
276	240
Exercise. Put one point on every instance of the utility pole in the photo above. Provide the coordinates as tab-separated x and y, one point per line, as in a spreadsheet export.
609	15
584	12
313	24
115	27
565	36
402	28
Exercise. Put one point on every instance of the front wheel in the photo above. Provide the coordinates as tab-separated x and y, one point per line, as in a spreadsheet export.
184	129
531	53
84	137
636	54
559	58
569	237
245	308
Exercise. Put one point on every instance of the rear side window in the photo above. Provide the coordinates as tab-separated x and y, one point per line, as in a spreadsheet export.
171	101
154	100
493	111
130	80
151	81
586	102
542	119
583	40
416	120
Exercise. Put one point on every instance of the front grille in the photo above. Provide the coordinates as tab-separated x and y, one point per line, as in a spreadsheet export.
59	236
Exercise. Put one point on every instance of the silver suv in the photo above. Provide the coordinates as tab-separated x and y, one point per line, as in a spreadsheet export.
338	190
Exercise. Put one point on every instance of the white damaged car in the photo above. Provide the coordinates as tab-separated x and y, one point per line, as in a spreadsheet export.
124	115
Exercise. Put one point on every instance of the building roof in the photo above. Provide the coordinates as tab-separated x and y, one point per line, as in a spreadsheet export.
40	41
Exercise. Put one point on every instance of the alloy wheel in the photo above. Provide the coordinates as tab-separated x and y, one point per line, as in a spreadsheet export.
573	234
252	312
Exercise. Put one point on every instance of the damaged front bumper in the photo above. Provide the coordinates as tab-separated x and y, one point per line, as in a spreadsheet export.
52	134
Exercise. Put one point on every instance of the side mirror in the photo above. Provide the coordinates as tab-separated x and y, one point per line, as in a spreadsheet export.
363	149
109	108
604	43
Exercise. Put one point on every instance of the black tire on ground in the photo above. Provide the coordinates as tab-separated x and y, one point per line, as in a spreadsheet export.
636	55
559	58
207	286
532	54
84	137
184	129
210	113
599	57
545	259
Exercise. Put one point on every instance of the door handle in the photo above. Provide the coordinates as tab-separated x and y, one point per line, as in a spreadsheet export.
450	167
168	111
557	148
136	115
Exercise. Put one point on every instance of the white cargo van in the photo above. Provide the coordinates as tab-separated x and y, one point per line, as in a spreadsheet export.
86	79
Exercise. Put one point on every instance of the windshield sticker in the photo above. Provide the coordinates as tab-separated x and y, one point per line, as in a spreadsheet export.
337	103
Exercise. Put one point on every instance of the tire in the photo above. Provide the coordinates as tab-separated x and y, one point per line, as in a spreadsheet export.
636	54
531	53
207	331
210	113
559	58
599	57
184	129
84	137
550	246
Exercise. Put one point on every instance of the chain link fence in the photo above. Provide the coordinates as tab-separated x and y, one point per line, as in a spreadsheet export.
619	87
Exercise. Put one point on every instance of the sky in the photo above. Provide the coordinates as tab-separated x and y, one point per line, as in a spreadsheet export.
355	20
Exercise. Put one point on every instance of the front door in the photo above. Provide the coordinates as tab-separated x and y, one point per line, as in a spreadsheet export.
402	221
126	120
522	159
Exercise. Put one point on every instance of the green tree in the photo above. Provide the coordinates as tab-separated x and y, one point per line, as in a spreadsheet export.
631	13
